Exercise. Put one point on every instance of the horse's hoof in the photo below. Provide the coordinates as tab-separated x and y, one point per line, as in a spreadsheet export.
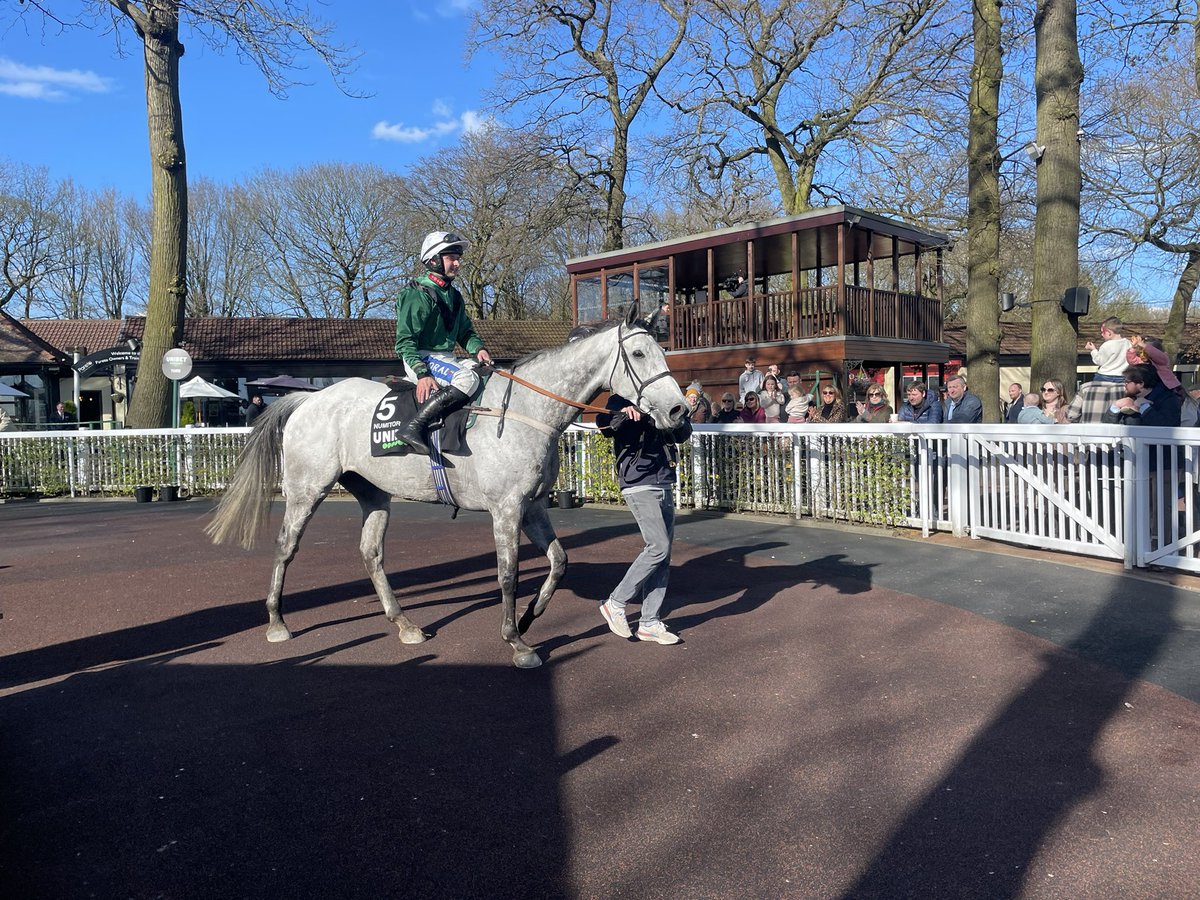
527	660
277	634
413	635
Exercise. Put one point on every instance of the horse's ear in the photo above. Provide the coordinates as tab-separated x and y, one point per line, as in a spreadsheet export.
632	315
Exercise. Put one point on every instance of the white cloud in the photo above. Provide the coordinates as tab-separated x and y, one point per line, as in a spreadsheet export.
470	121
46	83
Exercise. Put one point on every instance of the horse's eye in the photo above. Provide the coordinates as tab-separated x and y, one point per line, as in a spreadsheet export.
639	354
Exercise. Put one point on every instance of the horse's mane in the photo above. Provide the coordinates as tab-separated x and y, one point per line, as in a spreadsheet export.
580	332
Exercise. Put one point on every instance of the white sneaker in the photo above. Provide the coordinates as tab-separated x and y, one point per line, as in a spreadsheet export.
657	632
616	620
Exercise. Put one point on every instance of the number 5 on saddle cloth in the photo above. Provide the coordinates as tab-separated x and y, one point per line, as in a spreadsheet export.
398	406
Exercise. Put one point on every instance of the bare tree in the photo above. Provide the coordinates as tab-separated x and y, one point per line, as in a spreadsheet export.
515	202
224	251
585	69
1142	165
1057	78
119	263
65	290
330	236
269	33
769	81
32	210
983	208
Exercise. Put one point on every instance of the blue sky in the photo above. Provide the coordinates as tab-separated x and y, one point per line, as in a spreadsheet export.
75	106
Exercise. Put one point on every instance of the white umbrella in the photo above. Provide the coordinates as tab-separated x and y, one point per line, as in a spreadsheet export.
200	390
6	391
198	387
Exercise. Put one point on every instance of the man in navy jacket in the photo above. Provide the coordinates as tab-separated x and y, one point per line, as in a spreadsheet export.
962	407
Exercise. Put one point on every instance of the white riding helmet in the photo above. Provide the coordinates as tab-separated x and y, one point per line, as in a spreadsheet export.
438	242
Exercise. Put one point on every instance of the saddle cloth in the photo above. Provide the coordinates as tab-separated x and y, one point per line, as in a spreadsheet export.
398	406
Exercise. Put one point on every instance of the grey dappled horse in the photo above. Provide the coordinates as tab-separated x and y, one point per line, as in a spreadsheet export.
324	438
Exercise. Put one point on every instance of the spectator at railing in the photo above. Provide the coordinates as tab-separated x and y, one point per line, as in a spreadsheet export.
920	408
962	407
1150	352
1016	400
698	406
1092	401
1147	401
797	406
752	412
1054	403
830	409
1032	412
60	418
750	380
728	413
1109	357
876	410
772	399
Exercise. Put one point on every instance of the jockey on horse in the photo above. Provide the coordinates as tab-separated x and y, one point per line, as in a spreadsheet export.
431	318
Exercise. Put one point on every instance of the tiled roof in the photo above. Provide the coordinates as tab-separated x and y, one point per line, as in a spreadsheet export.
285	340
21	346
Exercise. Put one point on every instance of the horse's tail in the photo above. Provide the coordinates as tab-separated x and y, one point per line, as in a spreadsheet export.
243	509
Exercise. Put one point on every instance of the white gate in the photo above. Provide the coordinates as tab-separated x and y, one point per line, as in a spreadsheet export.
1068	493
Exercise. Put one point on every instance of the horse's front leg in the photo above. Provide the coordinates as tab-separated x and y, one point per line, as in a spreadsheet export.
536	525
506	528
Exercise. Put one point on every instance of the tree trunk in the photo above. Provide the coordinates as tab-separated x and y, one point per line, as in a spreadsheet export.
614	215
159	29
1184	291
983	211
1058	74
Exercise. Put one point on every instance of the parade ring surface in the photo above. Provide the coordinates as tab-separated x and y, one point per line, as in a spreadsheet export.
849	715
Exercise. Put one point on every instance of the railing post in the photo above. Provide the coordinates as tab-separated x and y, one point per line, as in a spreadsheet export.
699	483
961	481
1136	470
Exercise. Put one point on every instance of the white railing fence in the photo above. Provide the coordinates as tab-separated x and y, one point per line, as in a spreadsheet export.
1104	491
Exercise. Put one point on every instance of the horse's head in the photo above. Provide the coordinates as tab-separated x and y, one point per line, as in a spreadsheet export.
640	374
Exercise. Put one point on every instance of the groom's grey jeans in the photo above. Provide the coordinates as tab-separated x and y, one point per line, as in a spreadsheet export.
654	511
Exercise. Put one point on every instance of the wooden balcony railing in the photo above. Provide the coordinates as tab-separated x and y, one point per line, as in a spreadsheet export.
808	313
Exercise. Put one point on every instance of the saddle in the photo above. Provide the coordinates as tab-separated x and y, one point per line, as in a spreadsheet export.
399	406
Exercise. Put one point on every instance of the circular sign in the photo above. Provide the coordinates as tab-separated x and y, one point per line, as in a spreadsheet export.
176	364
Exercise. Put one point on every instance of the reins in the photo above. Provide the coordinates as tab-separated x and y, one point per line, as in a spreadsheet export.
586	407
622	357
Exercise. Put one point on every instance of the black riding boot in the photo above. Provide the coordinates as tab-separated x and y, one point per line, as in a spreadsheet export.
415	432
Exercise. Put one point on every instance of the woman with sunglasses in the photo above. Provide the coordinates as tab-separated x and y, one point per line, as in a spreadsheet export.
876	410
829	407
752	409
1053	401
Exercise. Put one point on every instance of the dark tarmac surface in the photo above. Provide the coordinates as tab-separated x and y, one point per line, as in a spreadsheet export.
849	715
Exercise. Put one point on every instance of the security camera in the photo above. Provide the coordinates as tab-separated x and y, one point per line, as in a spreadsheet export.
1034	150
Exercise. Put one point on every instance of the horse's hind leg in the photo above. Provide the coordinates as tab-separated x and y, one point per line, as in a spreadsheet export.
376	510
506	527
296	515
537	527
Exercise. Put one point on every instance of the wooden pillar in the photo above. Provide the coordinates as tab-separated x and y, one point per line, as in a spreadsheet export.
751	303
712	306
795	304
871	329
843	319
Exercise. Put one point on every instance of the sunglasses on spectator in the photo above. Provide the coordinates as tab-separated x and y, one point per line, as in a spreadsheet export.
1049	390
827	392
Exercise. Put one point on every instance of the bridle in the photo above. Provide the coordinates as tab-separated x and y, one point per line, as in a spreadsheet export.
623	356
